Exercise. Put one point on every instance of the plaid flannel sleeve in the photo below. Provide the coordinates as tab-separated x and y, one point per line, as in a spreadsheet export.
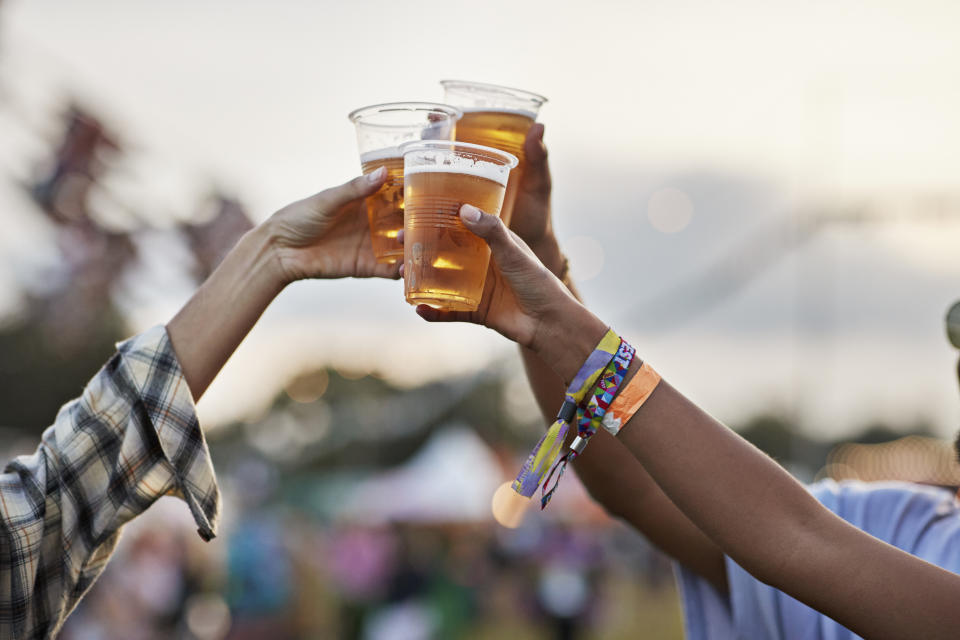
132	437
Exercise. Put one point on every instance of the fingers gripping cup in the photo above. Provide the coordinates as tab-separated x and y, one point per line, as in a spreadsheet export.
445	265
381	129
497	117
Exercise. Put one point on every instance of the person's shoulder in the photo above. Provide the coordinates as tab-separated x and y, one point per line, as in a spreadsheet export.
889	490
900	513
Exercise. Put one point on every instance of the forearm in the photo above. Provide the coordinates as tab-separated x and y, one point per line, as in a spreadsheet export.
736	495
618	482
771	526
739	497
209	328
546	385
745	502
614	477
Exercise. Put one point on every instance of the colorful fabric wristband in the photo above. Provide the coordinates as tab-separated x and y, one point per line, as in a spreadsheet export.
543	456
589	418
630	400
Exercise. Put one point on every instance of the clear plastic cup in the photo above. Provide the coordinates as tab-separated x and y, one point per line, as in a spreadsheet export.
497	117
445	264
381	129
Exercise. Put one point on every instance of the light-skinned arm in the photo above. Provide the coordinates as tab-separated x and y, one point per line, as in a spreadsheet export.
323	236
133	436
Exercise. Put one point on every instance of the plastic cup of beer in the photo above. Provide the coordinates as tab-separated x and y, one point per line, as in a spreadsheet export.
497	117
381	129
445	264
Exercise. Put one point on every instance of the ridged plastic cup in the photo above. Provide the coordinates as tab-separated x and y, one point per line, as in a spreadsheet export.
445	264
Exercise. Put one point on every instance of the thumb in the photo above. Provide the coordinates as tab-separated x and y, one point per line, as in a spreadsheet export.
505	249
360	187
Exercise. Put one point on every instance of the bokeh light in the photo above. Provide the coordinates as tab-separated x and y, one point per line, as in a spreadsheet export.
669	210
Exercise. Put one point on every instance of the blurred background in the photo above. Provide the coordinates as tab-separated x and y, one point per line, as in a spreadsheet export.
763	197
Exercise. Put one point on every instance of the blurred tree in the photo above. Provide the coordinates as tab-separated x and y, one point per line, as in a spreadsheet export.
39	371
878	432
79	160
212	239
62	335
328	420
772	434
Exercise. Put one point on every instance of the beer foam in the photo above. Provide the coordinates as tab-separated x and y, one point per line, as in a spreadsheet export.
456	164
512	112
380	154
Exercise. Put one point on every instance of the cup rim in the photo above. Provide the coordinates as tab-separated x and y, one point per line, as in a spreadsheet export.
513	92
412	145
355	116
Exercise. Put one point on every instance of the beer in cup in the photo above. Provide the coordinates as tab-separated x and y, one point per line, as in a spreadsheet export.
497	117
381	129
444	264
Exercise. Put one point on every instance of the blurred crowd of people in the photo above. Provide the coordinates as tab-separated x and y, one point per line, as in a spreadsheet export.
280	573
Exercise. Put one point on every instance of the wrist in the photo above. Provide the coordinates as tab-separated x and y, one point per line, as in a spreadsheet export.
264	261
547	250
220	314
566	338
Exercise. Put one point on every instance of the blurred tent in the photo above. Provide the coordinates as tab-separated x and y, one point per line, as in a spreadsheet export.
450	479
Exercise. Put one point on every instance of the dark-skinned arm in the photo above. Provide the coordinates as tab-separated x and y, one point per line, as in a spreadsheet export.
612	476
753	510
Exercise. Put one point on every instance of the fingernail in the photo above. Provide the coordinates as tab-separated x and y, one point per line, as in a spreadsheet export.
401	269
377	175
470	213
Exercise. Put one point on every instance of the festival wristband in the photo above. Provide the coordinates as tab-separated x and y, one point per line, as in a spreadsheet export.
630	400
590	417
543	456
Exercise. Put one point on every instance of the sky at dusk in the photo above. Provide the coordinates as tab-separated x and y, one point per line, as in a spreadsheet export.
693	146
